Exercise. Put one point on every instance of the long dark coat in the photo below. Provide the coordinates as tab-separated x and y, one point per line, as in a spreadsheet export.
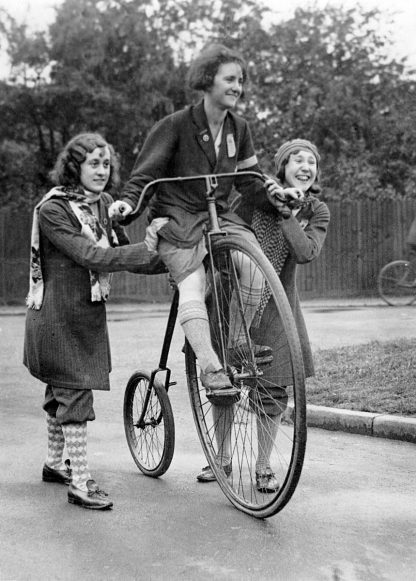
304	246
66	341
181	145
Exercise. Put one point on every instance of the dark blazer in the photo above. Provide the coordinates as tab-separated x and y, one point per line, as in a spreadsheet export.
182	145
66	341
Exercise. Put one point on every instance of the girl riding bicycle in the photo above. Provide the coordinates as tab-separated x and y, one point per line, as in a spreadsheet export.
206	138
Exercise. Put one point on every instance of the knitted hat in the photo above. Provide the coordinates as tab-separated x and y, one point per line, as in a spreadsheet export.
290	147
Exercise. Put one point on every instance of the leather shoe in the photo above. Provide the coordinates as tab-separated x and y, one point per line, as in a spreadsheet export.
207	475
266	481
217	383
93	498
60	476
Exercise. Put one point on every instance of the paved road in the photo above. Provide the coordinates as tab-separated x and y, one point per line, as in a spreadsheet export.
352	518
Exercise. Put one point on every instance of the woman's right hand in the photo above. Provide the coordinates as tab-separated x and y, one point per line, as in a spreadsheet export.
119	210
275	193
151	239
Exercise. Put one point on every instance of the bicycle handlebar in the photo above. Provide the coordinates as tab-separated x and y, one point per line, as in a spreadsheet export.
210	179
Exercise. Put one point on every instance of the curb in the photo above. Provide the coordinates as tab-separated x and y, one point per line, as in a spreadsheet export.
368	424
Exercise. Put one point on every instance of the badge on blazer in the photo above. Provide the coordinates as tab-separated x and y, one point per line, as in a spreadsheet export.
230	145
205	137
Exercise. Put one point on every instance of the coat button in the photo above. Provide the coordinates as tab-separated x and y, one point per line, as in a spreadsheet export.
205	137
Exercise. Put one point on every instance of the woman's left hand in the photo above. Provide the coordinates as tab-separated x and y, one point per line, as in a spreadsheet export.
279	197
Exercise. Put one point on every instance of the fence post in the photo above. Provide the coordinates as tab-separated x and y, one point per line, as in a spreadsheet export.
3	257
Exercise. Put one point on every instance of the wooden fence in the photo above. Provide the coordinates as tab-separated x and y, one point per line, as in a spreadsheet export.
362	237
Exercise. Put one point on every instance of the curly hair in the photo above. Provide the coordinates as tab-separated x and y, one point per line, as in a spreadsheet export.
67	169
205	66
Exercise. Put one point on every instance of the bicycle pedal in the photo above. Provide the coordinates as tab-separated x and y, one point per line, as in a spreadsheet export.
245	373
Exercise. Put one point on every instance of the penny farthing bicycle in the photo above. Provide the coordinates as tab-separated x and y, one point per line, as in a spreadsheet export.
234	425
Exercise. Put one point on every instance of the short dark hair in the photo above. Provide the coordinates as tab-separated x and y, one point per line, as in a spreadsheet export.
205	66
67	169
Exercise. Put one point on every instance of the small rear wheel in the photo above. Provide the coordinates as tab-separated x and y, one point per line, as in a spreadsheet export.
397	283
149	424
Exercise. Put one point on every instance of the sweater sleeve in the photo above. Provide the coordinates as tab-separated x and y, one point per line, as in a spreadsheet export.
151	163
305	244
250	188
61	227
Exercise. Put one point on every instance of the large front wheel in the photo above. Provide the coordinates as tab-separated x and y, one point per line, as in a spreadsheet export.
149	424
255	444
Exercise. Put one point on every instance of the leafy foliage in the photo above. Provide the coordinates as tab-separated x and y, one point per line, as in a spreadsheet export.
117	66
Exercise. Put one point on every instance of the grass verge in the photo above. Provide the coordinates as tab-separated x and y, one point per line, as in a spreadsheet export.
378	377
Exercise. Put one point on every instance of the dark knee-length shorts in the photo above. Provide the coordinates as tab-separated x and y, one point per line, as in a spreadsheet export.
69	405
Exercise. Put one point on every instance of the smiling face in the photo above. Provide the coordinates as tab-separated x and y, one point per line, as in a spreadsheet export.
227	86
301	170
95	170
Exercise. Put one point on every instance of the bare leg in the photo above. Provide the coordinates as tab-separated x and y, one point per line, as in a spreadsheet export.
267	428
223	421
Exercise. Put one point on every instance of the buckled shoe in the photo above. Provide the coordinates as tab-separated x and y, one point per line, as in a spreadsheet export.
266	481
218	384
93	498
207	475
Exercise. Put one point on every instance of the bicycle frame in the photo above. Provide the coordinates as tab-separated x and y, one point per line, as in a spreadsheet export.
211	183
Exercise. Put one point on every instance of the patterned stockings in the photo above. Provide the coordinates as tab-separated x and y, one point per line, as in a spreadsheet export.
76	445
56	444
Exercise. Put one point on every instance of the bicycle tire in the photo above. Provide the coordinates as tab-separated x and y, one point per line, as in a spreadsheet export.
396	283
241	417
152	443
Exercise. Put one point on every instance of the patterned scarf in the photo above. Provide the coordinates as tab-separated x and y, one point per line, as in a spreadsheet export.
273	244
90	228
270	236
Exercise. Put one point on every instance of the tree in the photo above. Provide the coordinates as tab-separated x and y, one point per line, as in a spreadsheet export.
117	66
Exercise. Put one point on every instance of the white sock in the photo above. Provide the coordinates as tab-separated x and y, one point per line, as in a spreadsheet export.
193	318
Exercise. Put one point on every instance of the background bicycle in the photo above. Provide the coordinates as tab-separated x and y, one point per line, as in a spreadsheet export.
397	283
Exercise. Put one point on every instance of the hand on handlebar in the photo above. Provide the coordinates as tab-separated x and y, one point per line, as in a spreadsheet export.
119	210
280	197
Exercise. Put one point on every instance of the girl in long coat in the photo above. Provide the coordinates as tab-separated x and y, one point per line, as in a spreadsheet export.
74	249
288	242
